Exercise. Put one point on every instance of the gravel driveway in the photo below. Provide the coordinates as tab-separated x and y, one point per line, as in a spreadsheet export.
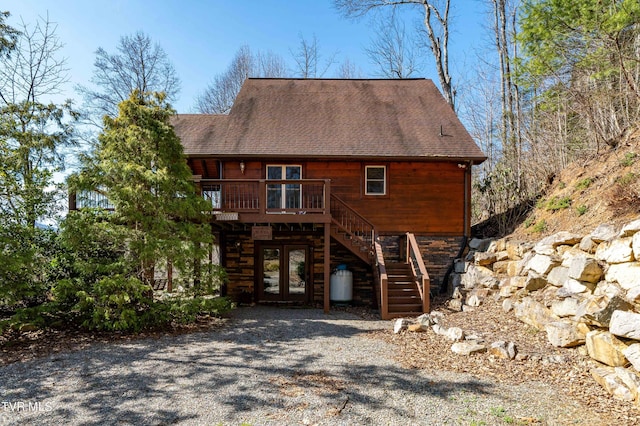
266	366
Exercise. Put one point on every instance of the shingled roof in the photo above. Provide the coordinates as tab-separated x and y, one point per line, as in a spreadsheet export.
327	118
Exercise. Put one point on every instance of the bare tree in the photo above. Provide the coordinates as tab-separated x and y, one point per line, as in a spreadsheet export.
219	96
271	64
349	70
139	64
504	26
307	58
33	129
392	51
34	70
436	29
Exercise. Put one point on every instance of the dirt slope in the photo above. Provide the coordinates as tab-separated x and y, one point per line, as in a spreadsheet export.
602	188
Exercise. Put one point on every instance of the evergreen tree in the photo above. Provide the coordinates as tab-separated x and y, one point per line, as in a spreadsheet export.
140	167
156	222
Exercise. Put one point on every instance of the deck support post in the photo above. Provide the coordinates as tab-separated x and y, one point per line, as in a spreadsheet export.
327	266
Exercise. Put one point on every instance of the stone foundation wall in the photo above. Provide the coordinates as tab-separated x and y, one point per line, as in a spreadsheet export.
438	254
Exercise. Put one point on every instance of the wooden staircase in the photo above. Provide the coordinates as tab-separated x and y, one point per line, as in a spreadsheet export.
355	244
402	286
403	297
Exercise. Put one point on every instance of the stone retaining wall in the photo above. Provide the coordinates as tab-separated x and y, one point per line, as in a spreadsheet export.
579	289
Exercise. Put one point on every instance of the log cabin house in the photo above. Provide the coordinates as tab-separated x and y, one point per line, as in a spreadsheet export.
304	175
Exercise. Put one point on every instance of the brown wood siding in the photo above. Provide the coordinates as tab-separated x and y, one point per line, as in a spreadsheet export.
422	197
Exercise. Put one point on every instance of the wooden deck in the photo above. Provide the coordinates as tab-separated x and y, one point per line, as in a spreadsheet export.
268	201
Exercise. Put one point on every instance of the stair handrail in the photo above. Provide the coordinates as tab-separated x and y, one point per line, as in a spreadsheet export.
380	274
351	222
420	274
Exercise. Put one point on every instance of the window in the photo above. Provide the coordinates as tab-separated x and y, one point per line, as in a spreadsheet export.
284	195
213	194
375	180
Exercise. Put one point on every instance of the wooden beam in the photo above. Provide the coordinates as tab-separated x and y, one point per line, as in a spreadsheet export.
327	267
205	169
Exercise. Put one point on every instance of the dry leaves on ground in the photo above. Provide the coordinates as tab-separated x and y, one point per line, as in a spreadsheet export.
566	369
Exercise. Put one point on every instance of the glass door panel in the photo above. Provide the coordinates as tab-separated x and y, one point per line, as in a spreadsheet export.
271	276
297	271
284	273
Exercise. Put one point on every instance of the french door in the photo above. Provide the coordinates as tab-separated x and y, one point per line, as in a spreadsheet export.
283	273
284	195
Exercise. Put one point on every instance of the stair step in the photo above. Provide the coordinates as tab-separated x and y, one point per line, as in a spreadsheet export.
404	300
403	283
404	314
408	307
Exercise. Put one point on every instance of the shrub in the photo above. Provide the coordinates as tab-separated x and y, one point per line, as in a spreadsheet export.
541	226
117	303
556	203
529	221
584	183
627	179
581	209
629	159
187	310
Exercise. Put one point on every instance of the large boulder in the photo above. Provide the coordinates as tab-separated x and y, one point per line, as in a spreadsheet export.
635	245
479	275
625	274
601	313
517	249
534	313
485	258
632	353
587	244
468	347
548	244
571	287
534	282
609	379
630	229
558	276
615	251
583	268
604	232
566	334
541	264
478	244
625	324
606	348
567	307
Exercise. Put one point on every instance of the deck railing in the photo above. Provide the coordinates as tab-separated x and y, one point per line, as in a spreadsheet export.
267	196
352	222
420	274
382	280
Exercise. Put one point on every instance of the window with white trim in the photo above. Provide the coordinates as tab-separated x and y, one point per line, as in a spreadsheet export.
375	180
284	195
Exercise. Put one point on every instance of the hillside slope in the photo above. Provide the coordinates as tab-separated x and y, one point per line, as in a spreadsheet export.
603	188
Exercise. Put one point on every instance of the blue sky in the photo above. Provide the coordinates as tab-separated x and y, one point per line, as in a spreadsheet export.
201	37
